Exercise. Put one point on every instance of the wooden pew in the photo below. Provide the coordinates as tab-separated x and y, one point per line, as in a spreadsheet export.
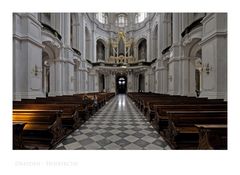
182	132
160	119
149	105
17	135
61	100
43	129
212	136
71	117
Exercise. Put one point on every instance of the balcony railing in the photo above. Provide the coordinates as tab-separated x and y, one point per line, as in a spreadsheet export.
76	51
51	30
192	26
166	50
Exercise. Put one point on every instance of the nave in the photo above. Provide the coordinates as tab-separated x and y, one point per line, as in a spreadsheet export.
119	125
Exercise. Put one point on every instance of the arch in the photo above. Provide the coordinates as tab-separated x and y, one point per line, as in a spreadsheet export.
194	47
193	50
87	44
49	50
48	57
101	49
142	49
121	83
139	40
50	62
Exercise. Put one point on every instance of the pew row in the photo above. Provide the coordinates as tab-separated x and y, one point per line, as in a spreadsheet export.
182	132
43	128
212	136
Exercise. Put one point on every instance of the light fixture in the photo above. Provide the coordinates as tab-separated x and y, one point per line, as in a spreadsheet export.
36	70
207	68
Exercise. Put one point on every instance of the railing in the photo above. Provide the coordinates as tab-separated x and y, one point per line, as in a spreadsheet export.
166	50
51	30
77	51
124	64
192	26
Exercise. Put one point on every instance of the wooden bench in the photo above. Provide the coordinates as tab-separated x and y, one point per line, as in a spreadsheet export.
149	107
182	132
212	136
72	116
17	135
160	118
43	128
85	112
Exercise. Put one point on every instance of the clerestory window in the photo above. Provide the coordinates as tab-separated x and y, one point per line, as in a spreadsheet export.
102	18
140	17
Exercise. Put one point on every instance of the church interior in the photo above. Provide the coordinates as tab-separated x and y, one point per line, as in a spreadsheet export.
119	81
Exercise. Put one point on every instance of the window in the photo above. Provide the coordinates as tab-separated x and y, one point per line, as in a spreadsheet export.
102	18
140	17
121	20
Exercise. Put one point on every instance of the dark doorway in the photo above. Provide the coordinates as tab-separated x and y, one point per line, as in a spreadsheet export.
101	83
197	82
141	83
121	84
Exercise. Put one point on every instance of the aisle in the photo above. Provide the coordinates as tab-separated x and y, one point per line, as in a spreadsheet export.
118	125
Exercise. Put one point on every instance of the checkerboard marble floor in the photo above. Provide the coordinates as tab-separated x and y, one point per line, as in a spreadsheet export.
117	126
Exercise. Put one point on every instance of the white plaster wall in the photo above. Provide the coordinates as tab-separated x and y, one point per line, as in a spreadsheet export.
214	53
27	54
130	82
175	77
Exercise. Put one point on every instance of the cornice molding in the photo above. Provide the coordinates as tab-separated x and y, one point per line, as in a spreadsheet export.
27	38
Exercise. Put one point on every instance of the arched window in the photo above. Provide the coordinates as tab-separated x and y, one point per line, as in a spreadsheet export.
140	17
102	18
142	50
121	20
100	50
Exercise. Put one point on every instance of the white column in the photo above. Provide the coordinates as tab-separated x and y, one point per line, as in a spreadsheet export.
130	82
148	47
174	69
160	36
185	77
52	84
164	81
70	78
64	78
165	34
79	81
184	21
82	36
94	45
67	29
176	28
58	65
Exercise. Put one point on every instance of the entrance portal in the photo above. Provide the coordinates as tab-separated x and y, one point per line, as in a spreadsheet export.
121	84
